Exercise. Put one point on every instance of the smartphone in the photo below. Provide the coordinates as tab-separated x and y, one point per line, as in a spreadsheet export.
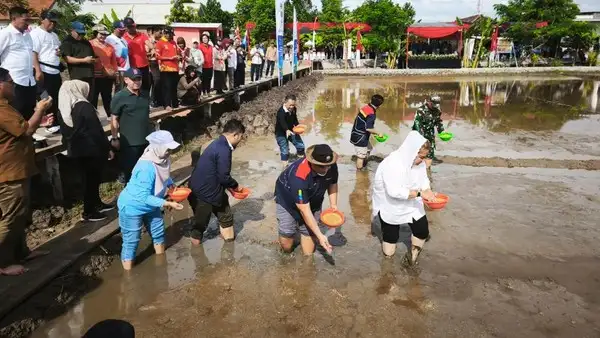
44	95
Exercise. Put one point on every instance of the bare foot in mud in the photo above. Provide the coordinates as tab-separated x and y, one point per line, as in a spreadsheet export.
13	270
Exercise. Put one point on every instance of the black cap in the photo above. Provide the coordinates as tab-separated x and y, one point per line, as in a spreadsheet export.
168	30
129	22
50	15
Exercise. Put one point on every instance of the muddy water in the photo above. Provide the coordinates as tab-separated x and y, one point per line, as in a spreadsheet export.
532	117
514	254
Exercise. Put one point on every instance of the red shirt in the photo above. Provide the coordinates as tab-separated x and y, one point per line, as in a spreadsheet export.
165	51
137	49
207	51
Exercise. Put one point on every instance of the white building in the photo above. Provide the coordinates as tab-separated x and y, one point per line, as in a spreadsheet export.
145	13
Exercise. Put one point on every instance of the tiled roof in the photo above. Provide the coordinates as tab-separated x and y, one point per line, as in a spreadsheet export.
36	5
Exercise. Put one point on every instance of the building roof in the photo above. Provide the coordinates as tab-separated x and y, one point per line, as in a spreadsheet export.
470	19
36	5
196	25
147	13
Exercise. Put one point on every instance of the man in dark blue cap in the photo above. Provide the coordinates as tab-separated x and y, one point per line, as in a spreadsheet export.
79	54
130	122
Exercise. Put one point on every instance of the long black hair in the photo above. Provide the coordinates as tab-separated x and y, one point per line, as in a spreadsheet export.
188	72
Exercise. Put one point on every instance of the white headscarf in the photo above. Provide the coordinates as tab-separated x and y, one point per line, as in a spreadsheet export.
395	177
161	142
70	93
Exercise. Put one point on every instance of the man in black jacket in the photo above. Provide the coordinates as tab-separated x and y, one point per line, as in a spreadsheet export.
286	121
209	180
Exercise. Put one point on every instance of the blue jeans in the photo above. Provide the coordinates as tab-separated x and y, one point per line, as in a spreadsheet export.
284	147
131	229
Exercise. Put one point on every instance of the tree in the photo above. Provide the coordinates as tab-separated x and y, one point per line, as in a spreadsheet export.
243	11
388	22
6	5
332	11
559	14
181	13
263	14
212	12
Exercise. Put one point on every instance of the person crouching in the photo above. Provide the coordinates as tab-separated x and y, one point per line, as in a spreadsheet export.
398	191
143	197
299	194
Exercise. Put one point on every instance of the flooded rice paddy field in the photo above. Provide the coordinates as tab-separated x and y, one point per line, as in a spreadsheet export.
514	254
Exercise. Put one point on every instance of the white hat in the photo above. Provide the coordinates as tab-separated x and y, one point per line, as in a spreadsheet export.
162	137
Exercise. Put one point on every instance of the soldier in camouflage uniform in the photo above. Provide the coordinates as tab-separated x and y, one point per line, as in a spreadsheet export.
427	118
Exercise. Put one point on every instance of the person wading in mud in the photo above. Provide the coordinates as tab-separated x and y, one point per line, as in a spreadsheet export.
286	121
299	195
363	127
399	187
209	180
427	119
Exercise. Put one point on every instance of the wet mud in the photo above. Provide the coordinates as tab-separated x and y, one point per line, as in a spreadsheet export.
514	254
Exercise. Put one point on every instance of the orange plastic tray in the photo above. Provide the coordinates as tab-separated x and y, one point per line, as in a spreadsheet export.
299	129
332	218
240	195
440	202
180	194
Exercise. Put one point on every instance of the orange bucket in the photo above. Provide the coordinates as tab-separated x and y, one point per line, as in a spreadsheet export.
439	203
299	129
180	194
240	195
332	218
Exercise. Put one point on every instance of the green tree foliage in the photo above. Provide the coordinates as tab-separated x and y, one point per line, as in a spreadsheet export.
559	14
181	13
5	5
305	12
388	21
263	15
332	11
109	20
212	12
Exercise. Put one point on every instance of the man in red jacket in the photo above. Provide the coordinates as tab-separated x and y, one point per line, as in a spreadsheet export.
137	51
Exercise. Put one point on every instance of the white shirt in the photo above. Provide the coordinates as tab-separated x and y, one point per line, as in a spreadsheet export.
391	201
232	58
45	45
257	56
16	55
121	50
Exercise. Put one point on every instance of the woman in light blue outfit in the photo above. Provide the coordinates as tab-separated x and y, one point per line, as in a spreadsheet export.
143	197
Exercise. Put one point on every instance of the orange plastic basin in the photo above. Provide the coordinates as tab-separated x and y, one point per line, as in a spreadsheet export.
439	202
180	194
240	195
299	129
332	218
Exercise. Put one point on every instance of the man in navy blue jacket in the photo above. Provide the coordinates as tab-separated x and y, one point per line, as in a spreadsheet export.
210	178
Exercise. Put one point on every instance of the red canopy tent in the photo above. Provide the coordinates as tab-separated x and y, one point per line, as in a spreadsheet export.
435	31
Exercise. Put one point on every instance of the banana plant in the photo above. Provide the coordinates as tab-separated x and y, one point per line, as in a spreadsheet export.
485	28
108	22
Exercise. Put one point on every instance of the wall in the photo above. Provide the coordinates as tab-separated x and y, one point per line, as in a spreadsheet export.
189	34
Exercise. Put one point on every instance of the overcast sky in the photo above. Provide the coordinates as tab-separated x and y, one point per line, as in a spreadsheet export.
441	10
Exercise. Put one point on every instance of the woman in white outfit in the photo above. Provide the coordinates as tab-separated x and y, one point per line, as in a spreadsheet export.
399	188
